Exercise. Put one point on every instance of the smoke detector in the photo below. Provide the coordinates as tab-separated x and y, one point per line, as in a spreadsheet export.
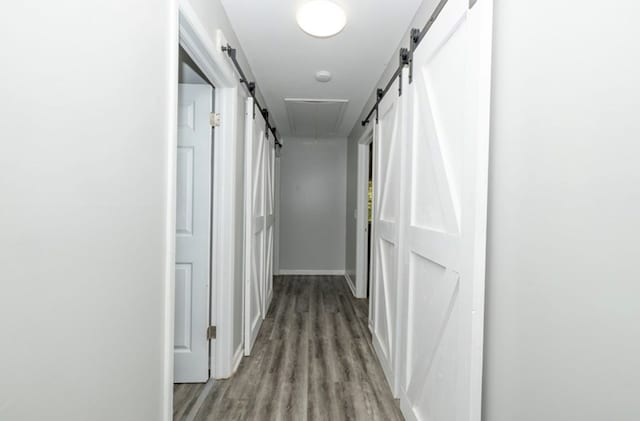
323	76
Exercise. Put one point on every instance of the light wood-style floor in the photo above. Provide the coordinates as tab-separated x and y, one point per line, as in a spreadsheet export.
313	360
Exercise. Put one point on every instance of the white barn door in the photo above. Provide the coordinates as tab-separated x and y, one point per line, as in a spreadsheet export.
270	175
193	218
387	145
258	223
442	265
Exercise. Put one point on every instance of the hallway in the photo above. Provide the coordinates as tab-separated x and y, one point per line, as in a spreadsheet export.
313	360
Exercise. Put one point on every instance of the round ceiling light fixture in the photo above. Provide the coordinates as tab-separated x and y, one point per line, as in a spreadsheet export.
321	18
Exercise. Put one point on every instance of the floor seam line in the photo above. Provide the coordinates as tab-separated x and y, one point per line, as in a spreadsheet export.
200	401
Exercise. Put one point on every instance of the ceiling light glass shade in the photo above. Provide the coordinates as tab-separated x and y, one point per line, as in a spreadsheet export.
321	18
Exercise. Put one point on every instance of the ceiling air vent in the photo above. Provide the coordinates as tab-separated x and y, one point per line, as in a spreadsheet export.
315	117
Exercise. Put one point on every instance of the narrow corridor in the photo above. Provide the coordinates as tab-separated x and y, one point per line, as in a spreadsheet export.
313	360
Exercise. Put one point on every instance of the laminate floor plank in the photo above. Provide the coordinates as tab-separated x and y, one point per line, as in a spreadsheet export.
312	360
184	397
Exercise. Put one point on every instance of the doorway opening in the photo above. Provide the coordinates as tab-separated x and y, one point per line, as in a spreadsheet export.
221	292
193	350
364	214
369	216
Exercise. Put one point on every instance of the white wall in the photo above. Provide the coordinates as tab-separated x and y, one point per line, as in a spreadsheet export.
88	105
87	131
562	314
312	205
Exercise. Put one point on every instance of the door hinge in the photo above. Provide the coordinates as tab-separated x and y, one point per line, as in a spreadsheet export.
211	333
214	119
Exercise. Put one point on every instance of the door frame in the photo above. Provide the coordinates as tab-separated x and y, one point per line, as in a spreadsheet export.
192	36
276	209
362	240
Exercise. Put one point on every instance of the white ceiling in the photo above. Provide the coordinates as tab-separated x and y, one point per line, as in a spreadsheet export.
284	59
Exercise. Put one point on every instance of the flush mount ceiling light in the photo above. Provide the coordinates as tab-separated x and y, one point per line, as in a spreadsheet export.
321	18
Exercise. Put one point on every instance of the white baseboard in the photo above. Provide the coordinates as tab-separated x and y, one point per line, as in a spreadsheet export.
386	369
406	408
237	358
352	286
311	272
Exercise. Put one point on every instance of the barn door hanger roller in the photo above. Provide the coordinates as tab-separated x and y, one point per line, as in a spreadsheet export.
380	93
251	89
406	58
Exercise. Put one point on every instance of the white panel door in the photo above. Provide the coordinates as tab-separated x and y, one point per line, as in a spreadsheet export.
270	175
388	134
442	264
256	151
193	208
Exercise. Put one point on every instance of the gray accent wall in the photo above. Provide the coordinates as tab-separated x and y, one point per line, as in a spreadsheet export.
312	204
